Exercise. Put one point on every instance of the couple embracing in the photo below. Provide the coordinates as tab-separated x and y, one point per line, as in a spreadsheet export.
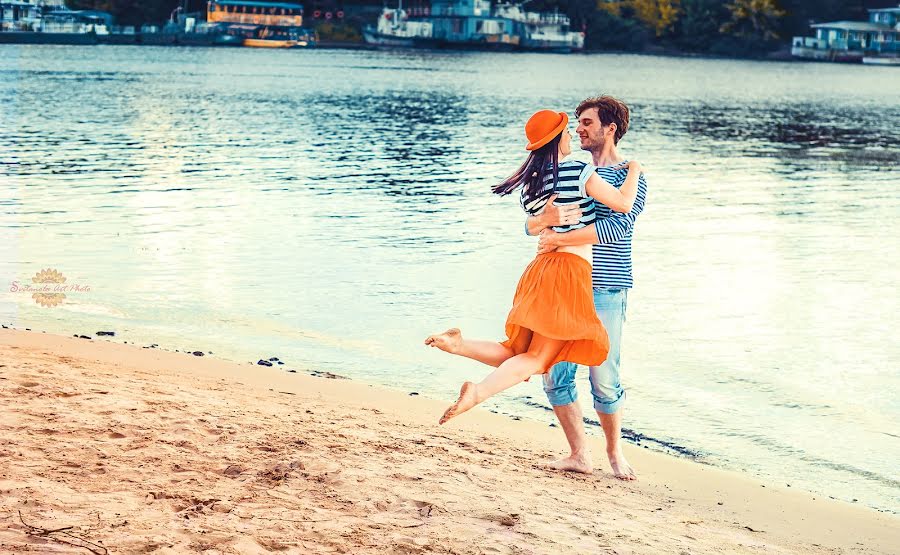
569	305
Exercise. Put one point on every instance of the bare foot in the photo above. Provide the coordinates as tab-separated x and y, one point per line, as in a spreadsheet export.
620	467
573	463
449	341
467	399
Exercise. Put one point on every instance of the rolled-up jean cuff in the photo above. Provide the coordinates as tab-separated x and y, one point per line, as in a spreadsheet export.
609	407
562	396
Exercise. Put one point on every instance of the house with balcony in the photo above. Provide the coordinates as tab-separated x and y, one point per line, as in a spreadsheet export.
851	41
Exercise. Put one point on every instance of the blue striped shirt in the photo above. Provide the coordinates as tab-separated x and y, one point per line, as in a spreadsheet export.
612	256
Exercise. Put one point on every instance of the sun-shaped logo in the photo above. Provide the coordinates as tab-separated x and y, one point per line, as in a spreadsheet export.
48	276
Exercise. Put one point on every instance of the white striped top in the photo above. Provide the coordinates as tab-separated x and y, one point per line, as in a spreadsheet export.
573	175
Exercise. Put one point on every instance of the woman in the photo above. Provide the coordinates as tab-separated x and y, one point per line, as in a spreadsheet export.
553	316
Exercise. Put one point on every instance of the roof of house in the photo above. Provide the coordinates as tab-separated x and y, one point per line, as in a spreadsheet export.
854	26
252	3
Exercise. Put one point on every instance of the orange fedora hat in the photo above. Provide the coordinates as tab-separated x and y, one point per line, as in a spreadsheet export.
543	126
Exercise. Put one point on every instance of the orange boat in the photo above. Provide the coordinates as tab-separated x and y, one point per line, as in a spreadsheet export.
261	24
272	43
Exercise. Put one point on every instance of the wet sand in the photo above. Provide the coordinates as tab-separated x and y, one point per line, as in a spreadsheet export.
132	450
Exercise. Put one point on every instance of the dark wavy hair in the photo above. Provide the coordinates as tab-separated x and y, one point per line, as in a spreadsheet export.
533	172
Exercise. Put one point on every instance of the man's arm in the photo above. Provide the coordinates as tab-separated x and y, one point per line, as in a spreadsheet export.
605	231
614	228
552	216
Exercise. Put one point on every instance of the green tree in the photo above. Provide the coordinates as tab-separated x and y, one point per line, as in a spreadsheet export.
754	19
700	24
658	15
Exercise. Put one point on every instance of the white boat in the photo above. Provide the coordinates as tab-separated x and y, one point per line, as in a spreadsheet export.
542	31
882	60
394	28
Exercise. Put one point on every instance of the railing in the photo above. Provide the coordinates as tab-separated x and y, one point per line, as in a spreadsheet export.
810	42
18	25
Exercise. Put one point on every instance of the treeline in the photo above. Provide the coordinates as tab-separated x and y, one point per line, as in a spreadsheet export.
724	27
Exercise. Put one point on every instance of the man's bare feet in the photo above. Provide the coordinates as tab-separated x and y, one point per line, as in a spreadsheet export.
620	467
449	341
467	399
573	463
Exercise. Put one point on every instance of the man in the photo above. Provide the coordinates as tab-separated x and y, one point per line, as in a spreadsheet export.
602	122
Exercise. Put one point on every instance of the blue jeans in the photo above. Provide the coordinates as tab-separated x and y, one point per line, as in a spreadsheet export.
559	382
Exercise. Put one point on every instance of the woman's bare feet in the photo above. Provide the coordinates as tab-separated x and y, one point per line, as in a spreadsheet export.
467	399
449	341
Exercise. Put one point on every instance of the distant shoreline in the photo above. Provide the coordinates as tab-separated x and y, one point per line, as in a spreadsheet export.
782	55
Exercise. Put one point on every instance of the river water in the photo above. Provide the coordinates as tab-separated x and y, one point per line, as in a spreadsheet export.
332	208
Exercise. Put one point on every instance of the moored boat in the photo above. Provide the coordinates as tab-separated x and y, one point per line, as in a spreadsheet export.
270	43
475	24
260	24
882	60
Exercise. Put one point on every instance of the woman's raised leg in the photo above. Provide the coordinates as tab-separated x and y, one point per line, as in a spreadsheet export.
487	352
541	352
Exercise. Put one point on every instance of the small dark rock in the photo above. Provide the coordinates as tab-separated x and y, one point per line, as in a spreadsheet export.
232	470
198	353
83	336
329	375
109	333
262	362
280	363
721	503
414	393
292	371
27	329
274	359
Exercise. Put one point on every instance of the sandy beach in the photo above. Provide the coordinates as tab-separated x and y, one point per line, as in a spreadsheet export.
114	448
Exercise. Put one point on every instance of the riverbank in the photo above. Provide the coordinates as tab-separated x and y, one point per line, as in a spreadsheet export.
140	450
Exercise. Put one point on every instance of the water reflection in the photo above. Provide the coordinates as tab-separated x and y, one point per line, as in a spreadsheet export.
785	131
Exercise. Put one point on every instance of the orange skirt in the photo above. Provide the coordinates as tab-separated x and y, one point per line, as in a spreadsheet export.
554	299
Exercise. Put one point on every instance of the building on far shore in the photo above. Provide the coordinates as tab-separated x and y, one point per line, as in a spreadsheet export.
50	22
877	40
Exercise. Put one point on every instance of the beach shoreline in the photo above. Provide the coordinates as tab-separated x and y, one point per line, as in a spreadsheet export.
145	450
